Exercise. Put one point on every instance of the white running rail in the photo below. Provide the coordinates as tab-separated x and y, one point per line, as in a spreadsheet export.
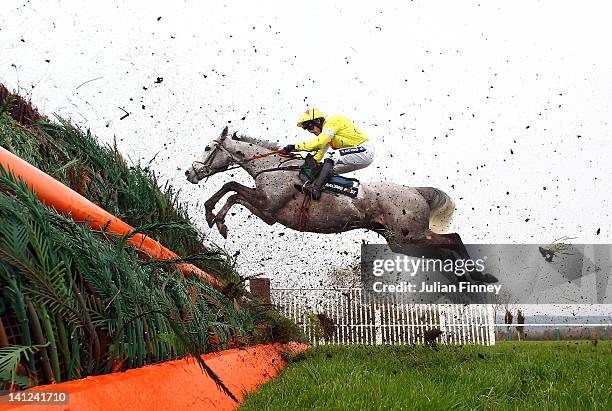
350	316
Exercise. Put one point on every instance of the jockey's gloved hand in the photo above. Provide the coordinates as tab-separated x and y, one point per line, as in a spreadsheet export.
289	148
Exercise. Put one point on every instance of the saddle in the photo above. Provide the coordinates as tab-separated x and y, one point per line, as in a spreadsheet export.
337	184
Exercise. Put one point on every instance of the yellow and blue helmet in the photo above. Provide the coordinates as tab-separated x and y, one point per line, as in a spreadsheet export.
310	115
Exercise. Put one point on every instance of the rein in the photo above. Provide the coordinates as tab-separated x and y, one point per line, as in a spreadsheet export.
237	163
285	168
271	153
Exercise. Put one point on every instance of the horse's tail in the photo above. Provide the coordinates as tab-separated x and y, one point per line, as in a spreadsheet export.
441	208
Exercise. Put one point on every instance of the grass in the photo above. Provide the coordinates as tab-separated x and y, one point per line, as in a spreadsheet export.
510	375
76	302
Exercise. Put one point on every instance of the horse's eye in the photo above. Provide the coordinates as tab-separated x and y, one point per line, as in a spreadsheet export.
207	149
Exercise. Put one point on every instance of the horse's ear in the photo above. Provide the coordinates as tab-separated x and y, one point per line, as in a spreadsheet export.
224	133
234	136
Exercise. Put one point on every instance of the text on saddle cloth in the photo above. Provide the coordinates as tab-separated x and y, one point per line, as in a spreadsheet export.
351	150
336	184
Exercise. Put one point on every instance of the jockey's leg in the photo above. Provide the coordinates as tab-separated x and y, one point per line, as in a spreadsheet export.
324	174
341	161
353	158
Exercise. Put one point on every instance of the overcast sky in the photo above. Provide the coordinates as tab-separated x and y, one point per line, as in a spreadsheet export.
506	107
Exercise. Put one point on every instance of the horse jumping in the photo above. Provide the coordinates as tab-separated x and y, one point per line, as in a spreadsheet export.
401	214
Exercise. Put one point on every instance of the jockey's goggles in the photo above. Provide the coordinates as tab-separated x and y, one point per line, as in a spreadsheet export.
308	125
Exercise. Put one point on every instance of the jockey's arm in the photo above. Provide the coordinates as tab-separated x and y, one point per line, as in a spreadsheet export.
319	142
319	156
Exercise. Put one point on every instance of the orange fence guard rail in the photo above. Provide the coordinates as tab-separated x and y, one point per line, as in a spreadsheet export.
67	201
172	385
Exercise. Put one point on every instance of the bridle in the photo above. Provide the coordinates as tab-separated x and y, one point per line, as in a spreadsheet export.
218	145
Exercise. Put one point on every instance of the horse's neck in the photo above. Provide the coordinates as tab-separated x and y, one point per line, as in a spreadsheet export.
249	150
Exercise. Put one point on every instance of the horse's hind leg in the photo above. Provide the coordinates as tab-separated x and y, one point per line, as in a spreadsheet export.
442	246
456	245
427	243
452	240
438	243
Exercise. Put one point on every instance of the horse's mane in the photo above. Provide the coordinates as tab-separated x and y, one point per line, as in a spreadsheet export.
258	141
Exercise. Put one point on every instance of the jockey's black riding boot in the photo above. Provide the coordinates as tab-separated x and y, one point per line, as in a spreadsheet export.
324	174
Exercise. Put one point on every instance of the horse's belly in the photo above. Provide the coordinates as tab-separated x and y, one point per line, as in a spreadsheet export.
330	214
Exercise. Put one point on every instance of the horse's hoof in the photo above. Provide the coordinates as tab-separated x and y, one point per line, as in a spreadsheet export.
223	230
210	218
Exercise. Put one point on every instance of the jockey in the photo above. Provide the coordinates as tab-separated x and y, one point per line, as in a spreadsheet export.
350	147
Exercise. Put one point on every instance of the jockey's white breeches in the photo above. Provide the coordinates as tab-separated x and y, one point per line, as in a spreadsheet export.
351	158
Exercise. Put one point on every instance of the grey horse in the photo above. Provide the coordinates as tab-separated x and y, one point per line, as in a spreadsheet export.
401	214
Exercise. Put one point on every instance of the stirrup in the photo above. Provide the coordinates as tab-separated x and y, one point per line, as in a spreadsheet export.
304	188
310	189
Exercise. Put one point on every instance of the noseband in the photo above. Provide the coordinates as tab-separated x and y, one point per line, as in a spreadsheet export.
208	161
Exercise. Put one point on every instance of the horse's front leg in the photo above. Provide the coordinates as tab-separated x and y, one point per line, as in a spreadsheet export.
238	199
210	204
